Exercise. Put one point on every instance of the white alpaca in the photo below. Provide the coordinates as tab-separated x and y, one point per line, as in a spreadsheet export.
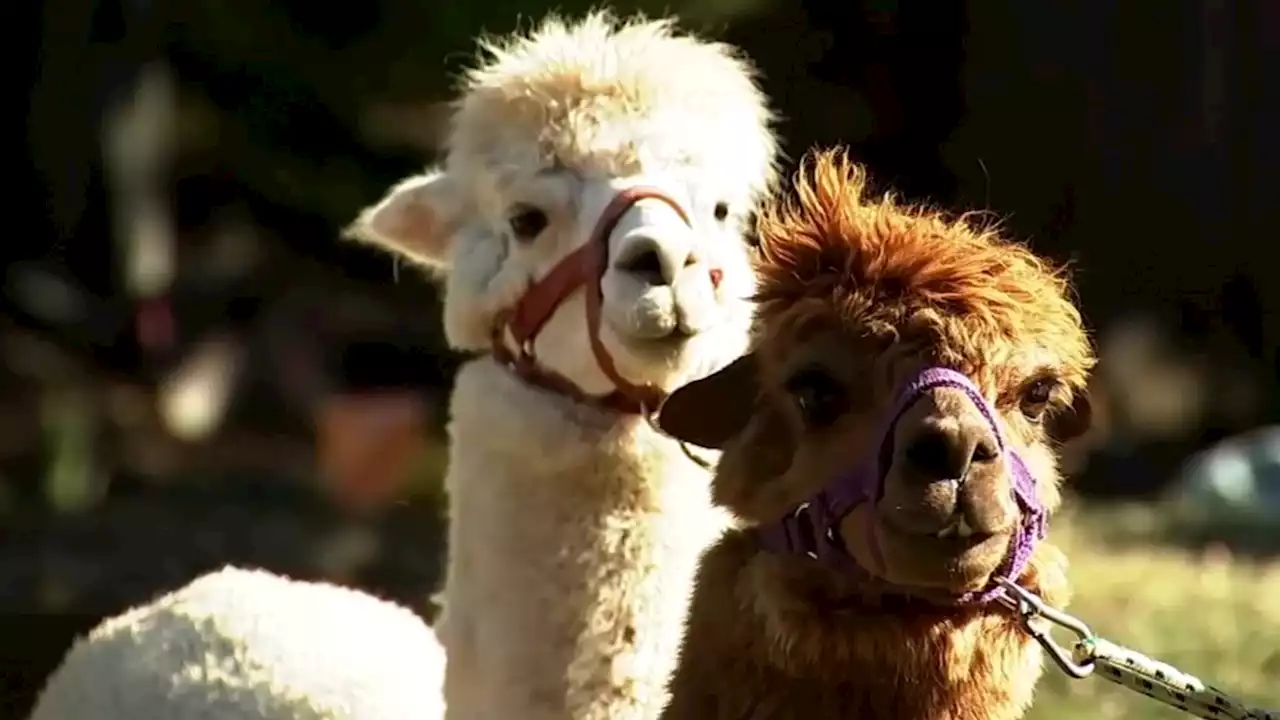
248	645
589	217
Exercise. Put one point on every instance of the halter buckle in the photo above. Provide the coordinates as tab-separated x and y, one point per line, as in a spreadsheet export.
801	530
527	352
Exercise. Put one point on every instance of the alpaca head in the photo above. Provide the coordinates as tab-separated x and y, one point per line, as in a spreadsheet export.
601	163
857	297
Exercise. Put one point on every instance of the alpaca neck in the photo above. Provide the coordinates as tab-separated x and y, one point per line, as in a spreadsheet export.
820	655
495	413
575	535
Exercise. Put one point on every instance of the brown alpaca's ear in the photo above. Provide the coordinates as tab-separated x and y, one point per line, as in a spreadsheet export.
711	411
1074	421
417	218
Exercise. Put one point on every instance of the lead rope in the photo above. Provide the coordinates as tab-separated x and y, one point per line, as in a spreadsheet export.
1127	668
651	417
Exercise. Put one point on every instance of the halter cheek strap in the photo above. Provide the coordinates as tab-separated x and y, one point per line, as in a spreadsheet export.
812	529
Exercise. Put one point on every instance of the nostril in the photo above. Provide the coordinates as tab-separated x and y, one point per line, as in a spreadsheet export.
644	264
985	451
939	454
933	455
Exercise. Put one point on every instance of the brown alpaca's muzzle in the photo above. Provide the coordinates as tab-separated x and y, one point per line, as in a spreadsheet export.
943	508
947	510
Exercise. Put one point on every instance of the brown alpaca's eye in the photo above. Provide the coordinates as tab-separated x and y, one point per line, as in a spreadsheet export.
820	398
527	223
1035	397
722	211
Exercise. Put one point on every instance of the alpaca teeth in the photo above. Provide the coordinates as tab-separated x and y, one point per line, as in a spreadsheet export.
959	528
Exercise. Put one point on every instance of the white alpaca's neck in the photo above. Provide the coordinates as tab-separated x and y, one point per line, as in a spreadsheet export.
574	539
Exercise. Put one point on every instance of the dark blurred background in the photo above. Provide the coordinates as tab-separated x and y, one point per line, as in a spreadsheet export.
196	370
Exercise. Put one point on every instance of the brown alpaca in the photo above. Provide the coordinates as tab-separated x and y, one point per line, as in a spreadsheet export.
907	369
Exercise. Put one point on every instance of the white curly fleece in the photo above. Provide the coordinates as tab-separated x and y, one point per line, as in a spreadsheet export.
249	645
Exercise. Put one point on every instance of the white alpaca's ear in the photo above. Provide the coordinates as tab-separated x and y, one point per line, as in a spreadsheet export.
417	218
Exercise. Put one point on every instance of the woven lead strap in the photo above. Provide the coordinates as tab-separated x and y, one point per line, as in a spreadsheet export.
1162	682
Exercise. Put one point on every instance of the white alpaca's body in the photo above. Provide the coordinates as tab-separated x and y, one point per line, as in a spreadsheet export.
248	645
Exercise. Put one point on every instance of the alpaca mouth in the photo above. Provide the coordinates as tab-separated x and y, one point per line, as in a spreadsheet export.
659	320
681	332
960	529
940	561
956	537
655	330
658	346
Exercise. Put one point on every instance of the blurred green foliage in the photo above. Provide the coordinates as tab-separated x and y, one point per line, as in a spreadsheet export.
1210	614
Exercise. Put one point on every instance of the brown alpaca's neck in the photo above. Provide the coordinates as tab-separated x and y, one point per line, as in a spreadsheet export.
764	633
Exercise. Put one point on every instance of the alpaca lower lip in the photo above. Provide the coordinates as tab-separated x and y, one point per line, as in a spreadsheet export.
976	538
676	338
960	529
656	331
684	328
955	534
656	336
662	328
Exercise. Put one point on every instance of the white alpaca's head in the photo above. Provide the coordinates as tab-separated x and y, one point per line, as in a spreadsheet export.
551	129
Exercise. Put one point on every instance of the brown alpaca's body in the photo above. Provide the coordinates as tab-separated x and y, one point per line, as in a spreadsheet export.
846	665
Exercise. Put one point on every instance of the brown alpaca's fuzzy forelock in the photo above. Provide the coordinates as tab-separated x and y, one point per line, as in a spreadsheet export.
886	267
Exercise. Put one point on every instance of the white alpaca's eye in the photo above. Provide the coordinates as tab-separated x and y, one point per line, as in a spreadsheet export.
722	211
527	222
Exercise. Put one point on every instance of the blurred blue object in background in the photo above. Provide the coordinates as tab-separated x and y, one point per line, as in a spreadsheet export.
1234	483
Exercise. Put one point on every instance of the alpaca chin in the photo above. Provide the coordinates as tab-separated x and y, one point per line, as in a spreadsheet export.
651	320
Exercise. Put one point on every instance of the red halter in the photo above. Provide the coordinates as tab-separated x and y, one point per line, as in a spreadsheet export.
584	267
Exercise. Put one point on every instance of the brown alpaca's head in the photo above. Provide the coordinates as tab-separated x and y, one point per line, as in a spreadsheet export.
858	296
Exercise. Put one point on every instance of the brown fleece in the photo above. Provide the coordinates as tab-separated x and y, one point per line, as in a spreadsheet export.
868	291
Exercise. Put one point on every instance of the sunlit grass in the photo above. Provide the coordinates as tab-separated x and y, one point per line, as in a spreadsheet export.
1208	614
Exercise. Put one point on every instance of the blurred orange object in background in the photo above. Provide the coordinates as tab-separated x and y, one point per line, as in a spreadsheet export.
368	443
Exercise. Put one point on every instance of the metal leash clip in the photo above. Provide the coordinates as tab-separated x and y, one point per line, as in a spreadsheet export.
1127	668
1030	607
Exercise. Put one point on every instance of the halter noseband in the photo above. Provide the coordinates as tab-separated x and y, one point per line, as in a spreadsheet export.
812	528
584	267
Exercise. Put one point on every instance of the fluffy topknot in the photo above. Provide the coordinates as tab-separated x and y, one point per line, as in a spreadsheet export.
831	254
606	95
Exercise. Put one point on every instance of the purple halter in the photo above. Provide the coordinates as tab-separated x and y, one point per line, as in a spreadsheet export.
812	528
